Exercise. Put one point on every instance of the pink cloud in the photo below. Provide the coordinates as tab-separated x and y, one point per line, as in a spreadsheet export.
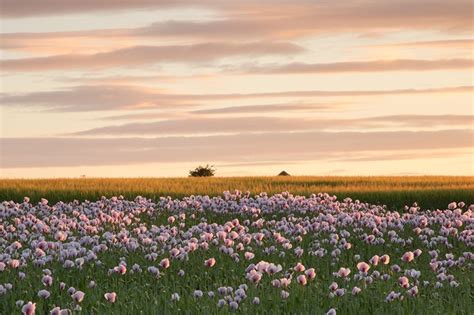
48	152
206	125
143	55
112	97
363	66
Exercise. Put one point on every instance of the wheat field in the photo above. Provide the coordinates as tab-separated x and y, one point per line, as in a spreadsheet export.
394	191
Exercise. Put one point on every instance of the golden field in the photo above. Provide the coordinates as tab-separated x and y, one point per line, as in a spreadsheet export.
428	191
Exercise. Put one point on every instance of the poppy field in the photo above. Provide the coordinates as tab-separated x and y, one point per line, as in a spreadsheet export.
235	253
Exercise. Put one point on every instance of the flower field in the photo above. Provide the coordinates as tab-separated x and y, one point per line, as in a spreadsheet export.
239	253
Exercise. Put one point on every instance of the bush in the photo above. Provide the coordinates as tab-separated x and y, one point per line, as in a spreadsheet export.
202	171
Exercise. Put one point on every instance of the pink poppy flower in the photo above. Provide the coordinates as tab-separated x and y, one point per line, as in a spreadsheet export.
222	235
413	291
121	269
299	267
262	266
259	236
174	252
273	269
356	290
417	252
299	252
14	263
363	267
453	205
78	296
29	308
254	276
249	255
110	297
233	235
404	282
374	260
165	263
47	280
285	282
408	256
310	273
210	262
385	259
333	286
207	237
60	236
58	311
301	279
343	272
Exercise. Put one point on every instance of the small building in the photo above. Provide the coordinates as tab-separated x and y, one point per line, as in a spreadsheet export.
283	173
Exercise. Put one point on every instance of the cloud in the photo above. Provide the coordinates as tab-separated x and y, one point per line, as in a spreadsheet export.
90	98
48	152
245	109
241	20
111	97
143	55
285	18
197	126
24	8
467	44
370	156
253	28
362	66
334	93
410	155
267	108
201	126
420	120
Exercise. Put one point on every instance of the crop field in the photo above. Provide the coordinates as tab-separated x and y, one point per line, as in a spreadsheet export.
204	252
395	192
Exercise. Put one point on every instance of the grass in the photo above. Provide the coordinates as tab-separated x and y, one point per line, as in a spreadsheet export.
428	191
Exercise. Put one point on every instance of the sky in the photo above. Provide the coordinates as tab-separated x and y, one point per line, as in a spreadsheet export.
142	88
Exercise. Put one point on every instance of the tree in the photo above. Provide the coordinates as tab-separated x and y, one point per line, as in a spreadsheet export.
203	171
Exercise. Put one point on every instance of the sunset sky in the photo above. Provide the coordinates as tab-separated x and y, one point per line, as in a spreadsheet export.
157	87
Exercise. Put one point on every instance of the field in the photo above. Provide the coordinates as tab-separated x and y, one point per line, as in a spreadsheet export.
237	252
395	192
